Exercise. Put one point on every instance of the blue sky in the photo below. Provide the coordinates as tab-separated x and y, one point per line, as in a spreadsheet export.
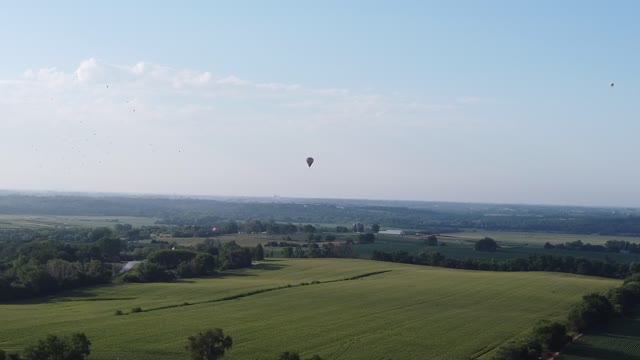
493	101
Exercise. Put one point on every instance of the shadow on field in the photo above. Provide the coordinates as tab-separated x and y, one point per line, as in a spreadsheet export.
269	266
590	352
70	295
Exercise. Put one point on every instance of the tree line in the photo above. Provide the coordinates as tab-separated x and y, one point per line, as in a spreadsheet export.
534	262
612	246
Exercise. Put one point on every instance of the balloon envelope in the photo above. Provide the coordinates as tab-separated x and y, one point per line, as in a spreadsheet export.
309	161
214	229
612	84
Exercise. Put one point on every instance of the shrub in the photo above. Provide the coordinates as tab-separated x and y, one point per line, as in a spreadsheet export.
119	312
136	309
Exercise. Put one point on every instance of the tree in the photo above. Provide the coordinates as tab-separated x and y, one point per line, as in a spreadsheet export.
341	229
259	255
100	233
551	335
148	272
75	347
208	345
366	238
486	244
287	252
432	240
375	228
110	247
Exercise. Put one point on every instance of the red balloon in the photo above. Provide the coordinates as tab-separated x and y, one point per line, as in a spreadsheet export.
309	161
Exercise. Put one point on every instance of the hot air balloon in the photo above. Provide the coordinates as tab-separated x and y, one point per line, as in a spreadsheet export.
309	161
214	229
612	84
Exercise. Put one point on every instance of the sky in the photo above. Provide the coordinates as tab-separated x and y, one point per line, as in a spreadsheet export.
471	101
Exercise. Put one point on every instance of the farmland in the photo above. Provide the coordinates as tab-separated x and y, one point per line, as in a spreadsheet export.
53	221
418	307
459	245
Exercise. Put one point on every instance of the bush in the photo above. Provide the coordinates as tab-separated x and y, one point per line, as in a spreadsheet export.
119	312
136	309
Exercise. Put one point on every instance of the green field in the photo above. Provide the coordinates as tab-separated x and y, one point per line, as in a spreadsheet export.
513	245
538	239
408	312
51	221
620	339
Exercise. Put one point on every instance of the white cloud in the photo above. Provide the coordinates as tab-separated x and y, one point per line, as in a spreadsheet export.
88	70
92	127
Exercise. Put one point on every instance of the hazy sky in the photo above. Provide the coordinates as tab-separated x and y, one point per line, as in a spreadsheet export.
490	101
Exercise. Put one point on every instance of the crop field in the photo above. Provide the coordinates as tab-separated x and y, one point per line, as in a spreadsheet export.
51	221
537	238
389	311
620	339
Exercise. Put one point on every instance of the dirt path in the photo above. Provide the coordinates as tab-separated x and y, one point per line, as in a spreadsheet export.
128	266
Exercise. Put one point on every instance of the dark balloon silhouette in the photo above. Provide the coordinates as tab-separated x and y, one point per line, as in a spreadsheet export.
612	84
309	161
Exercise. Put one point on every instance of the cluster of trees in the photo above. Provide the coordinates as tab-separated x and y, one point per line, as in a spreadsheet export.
360	228
486	244
431	240
366	238
39	263
612	246
534	262
168	264
45	267
593	310
73	347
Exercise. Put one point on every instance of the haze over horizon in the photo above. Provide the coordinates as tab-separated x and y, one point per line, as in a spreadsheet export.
490	102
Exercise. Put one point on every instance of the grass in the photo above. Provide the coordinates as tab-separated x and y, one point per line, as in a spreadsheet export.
52	221
620	339
337	308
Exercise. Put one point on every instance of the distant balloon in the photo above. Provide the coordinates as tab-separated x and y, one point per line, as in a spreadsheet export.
214	229
309	161
612	84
